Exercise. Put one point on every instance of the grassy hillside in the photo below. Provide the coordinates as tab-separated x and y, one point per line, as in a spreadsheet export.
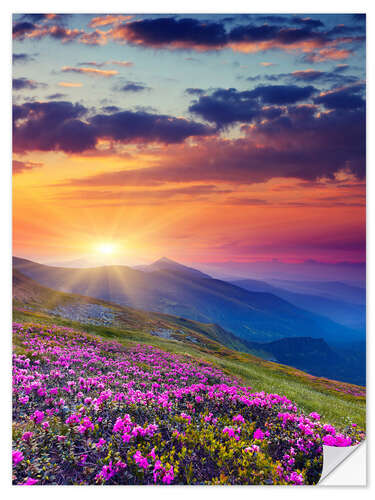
91	411
337	402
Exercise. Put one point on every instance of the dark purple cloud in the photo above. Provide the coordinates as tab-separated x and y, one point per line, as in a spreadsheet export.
21	28
141	126
22	58
299	144
342	98
50	126
227	106
25	83
169	30
189	33
134	87
195	91
282	94
63	126
334	76
58	95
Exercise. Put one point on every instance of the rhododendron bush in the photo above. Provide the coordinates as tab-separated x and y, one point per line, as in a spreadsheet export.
89	411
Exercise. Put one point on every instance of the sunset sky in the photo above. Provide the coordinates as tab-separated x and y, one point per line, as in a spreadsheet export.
206	138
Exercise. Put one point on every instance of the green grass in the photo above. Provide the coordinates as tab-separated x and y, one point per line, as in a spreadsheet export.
309	392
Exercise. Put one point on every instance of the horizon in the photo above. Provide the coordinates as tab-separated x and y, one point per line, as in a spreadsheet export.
346	272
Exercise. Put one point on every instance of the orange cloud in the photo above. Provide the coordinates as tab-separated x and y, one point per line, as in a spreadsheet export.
125	64
330	54
97	37
70	84
90	71
107	20
57	32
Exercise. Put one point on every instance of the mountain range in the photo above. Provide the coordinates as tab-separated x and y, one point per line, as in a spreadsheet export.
343	303
171	289
254	321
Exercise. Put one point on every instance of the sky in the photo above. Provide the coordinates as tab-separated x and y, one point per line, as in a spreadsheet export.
204	138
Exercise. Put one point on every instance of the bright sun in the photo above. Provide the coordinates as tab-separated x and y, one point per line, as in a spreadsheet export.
105	248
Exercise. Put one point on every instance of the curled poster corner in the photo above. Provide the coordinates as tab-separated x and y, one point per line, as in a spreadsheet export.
355	466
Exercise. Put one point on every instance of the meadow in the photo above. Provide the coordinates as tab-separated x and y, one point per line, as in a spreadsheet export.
90	410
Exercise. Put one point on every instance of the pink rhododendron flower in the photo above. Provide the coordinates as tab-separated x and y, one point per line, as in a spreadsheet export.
140	460
315	415
17	457
26	436
29	481
259	434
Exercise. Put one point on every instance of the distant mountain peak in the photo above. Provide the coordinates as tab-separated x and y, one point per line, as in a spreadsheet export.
166	260
166	264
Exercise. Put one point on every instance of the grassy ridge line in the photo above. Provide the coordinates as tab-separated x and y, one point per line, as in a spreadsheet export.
309	392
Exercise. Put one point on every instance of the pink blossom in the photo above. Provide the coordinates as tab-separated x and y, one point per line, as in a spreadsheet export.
259	435
238	418
17	457
29	481
26	436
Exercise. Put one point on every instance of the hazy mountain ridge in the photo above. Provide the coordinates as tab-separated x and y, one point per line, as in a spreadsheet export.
255	316
315	356
338	307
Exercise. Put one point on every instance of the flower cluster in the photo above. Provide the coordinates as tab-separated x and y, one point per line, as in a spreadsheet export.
89	411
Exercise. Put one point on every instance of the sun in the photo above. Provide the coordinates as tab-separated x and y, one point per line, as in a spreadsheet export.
105	248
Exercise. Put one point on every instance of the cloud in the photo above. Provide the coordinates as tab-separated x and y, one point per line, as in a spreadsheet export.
20	29
27	30
342	98
307	21
282	94
227	106
90	71
169	32
70	84
58	95
246	201
23	166
107	20
92	63
63	126
187	193
141	126
125	64
22	58
45	18
304	35
300	144
328	54
309	75
195	91
25	83
51	126
134	87
267	64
